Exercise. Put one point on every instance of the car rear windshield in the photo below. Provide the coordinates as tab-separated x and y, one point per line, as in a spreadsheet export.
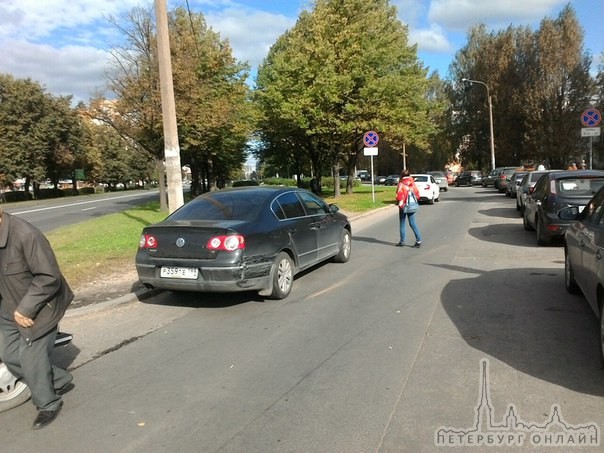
421	178
579	186
228	205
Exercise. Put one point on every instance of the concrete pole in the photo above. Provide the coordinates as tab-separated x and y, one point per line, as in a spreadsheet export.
171	146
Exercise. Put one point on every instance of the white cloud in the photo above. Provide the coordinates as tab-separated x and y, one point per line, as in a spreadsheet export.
431	40
72	70
251	33
460	14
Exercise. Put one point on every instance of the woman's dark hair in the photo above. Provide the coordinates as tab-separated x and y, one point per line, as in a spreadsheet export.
405	173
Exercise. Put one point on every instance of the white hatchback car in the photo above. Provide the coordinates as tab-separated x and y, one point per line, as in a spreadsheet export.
428	188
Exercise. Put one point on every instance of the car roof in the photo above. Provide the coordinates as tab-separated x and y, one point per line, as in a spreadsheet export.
561	174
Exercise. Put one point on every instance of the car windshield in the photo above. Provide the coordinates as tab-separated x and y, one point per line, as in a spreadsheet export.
579	186
227	205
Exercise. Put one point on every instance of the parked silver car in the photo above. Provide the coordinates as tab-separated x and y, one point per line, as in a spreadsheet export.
583	267
441	179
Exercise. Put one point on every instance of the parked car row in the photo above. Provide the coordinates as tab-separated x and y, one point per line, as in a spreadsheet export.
567	207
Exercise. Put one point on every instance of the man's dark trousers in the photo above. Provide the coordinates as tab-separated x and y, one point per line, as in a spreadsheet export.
31	362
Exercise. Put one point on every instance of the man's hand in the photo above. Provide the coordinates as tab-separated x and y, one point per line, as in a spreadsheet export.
23	321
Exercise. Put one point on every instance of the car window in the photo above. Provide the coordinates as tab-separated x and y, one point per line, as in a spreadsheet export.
290	205
592	213
541	185
312	204
228	205
579	186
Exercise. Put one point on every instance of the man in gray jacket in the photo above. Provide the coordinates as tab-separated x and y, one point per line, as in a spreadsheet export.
33	298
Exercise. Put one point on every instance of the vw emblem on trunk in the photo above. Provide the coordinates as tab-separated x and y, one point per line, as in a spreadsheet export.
180	242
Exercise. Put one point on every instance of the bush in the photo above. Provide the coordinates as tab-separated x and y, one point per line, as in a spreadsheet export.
245	182
18	195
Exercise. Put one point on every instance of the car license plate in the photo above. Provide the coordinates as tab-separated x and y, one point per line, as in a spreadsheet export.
179	272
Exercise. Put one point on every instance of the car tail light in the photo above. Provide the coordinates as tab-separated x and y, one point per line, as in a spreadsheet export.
552	187
229	243
147	241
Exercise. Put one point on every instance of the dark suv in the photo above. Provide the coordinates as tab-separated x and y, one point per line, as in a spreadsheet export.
469	178
553	192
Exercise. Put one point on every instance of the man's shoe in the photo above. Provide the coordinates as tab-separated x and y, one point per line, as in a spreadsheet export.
46	417
400	244
66	388
418	244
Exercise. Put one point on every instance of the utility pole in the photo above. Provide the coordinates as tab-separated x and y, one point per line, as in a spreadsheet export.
171	146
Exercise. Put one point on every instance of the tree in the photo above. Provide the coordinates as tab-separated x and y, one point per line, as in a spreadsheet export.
344	69
539	83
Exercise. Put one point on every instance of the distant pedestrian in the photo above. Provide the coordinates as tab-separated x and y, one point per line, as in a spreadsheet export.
34	297
407	195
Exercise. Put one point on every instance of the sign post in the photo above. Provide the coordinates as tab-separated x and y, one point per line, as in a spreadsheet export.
591	119
371	140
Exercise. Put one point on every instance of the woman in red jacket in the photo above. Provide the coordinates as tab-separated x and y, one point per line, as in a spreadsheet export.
407	207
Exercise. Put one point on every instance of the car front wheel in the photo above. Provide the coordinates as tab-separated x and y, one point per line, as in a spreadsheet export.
345	247
13	392
283	276
602	331
525	223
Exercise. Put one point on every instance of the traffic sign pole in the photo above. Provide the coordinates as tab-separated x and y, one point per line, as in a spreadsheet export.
371	139
591	119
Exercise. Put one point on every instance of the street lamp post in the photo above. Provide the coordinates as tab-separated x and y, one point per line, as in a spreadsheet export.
490	118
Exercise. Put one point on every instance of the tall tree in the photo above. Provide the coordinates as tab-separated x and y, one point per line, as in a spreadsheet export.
345	68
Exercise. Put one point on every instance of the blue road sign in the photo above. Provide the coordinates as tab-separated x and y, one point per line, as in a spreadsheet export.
591	117
371	139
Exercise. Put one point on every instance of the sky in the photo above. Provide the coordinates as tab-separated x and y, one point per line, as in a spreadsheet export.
64	45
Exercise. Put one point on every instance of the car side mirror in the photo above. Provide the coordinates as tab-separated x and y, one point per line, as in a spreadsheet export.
333	208
570	213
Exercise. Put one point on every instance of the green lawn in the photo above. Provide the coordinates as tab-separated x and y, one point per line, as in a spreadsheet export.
109	243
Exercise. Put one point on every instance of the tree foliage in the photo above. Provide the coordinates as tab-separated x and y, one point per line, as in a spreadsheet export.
345	68
539	83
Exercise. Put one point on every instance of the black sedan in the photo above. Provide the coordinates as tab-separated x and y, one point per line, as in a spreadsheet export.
248	238
553	192
583	250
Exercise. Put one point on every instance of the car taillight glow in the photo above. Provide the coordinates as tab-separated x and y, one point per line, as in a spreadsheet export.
147	241
229	243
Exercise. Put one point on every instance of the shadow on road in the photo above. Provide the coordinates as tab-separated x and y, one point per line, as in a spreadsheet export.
525	318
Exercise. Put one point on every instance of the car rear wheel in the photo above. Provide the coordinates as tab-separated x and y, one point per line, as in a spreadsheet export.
541	238
569	277
283	276
345	248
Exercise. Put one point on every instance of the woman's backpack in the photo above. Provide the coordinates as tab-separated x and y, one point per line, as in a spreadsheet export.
412	204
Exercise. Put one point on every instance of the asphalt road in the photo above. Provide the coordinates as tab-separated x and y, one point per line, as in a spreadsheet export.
50	214
398	350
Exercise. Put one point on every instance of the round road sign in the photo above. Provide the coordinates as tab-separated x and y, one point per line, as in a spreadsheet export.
371	139
591	117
